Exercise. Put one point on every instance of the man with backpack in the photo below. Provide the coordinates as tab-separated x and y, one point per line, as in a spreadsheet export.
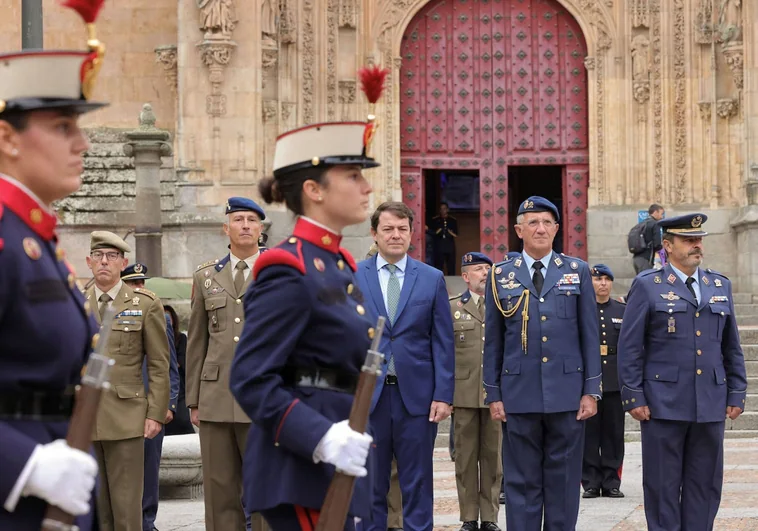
644	240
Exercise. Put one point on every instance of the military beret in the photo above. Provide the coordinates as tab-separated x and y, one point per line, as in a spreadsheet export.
686	225
475	258
103	239
538	204
243	204
599	270
135	271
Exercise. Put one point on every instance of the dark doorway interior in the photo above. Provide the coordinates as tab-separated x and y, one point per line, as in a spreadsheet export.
460	190
525	181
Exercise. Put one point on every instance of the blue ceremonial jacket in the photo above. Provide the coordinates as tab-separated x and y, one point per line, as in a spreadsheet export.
546	364
46	332
681	359
303	310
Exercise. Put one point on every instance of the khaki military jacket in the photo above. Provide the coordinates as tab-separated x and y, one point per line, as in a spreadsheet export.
138	333
468	330
215	326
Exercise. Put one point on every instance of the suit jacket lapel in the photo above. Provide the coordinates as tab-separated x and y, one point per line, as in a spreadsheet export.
677	286
123	299
225	280
524	276
94	304
706	290
411	272
471	308
375	290
552	277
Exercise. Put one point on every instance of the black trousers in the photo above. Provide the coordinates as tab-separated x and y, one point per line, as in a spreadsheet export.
445	258
604	445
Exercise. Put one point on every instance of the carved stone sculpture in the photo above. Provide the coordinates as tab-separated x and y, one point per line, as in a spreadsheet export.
703	22
727	107
166	57
218	17
640	68
734	56
269	12
730	21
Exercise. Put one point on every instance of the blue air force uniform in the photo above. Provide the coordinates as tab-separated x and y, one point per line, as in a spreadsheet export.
604	433
680	355
541	355
304	342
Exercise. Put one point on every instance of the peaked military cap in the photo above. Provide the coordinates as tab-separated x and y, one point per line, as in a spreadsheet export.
135	271
53	79
537	203
243	204
599	270
475	258
103	239
686	225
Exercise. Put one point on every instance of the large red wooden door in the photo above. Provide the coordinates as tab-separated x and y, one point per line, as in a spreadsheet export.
488	84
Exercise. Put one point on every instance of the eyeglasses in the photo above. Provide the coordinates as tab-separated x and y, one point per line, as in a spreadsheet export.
534	223
111	256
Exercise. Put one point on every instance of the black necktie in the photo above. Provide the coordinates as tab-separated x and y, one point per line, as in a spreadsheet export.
690	282
537	277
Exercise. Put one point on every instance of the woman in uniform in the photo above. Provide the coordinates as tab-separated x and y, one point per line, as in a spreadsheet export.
46	327
306	333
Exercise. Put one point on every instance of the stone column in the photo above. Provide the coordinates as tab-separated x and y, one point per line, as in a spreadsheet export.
147	145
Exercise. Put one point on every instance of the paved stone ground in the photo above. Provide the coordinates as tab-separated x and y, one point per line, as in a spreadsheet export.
739	505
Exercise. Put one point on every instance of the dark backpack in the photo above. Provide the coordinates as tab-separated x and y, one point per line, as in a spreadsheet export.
635	240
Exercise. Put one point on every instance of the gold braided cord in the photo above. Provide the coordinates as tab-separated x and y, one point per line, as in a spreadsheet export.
512	311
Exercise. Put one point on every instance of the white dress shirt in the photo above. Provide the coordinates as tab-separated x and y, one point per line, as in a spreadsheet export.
250	261
695	285
113	292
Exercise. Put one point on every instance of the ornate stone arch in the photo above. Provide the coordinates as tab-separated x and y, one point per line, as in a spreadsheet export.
600	32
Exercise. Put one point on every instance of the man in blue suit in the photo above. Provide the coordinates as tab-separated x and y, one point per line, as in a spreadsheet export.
681	372
135	275
415	392
542	369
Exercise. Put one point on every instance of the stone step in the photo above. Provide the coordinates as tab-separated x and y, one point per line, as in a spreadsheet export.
747	320
751	404
750	352
743	298
749	335
746	309
751	367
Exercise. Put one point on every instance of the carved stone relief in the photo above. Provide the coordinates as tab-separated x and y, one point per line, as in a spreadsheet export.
269	12
730	21
269	110
166	57
733	54
705	110
656	93
308	58
287	23
704	22
640	68
218	17
347	13
681	189
269	60
640	14
727	107
332	18
216	55
347	96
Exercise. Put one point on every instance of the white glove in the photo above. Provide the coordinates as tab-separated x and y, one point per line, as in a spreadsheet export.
345	448
63	477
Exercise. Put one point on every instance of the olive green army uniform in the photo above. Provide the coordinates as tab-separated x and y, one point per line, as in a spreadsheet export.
478	438
138	335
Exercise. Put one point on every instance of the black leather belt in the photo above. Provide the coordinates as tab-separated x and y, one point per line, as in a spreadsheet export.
390	379
327	379
612	350
41	406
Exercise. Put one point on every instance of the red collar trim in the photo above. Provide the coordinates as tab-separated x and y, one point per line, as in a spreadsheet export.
30	211
318	236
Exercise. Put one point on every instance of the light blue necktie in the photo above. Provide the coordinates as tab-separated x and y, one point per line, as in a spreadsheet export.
393	297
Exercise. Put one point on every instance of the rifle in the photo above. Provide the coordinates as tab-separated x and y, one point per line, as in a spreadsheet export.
87	402
337	501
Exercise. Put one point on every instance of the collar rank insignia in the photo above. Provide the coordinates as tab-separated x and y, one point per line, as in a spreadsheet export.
558	261
671	279
717	282
657	279
326	240
670	296
705	280
135	301
517	263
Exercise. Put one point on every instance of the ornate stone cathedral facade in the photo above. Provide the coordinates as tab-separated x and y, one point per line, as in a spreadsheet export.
605	106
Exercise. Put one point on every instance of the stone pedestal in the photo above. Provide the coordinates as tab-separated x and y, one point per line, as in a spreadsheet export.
181	473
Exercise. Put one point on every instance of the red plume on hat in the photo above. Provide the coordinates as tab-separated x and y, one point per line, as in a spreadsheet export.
89	10
372	84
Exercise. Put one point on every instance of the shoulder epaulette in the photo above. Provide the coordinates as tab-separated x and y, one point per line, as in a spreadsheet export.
289	253
648	272
349	259
455	297
143	291
507	261
722	275
206	264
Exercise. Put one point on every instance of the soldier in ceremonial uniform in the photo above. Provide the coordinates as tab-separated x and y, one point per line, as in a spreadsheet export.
297	363
130	411
541	371
444	229
478	466
135	275
46	327
681	371
604	433
215	327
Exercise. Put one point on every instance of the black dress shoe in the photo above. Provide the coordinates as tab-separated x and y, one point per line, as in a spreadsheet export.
394	529
489	526
472	525
501	499
591	493
612	493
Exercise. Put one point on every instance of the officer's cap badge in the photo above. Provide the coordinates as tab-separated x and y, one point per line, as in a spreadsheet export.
697	221
528	204
138	268
32	248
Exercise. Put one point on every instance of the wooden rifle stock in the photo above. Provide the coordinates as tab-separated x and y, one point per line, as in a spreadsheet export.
86	404
337	501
